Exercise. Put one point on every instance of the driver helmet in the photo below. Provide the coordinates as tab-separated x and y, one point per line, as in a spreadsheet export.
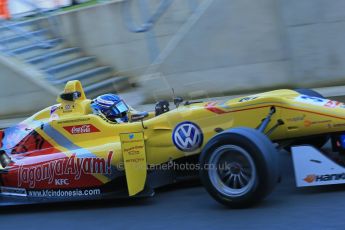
112	107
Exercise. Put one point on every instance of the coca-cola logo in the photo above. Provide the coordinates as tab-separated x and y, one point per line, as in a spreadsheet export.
81	129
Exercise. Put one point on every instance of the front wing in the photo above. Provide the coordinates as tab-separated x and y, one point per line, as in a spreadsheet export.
313	168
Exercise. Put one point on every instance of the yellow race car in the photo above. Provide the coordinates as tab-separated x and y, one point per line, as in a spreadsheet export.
66	152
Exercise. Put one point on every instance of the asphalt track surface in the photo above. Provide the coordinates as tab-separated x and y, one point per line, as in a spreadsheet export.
188	206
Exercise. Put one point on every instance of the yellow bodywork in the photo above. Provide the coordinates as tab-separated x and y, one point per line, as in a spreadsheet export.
138	144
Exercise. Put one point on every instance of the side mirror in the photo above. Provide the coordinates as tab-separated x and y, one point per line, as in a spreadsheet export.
178	101
139	116
4	159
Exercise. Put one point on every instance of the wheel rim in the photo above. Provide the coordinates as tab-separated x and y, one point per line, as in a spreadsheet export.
232	171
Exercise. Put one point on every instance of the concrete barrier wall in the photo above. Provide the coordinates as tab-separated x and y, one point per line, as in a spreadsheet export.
316	40
224	47
22	92
244	45
100	31
232	47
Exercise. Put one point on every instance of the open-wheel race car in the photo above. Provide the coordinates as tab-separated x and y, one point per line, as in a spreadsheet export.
68	152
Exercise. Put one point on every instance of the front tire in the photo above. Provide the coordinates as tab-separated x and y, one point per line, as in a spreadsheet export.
239	167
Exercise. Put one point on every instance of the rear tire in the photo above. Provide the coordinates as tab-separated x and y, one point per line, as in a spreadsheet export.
239	167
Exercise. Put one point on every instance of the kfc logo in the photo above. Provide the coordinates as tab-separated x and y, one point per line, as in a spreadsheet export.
61	182
81	129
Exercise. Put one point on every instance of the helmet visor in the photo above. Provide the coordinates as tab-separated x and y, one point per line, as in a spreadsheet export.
121	107
117	109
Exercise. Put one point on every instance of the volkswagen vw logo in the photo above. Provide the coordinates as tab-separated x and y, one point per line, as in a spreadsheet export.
187	136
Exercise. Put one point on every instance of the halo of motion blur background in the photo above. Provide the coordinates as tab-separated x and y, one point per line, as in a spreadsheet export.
144	48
